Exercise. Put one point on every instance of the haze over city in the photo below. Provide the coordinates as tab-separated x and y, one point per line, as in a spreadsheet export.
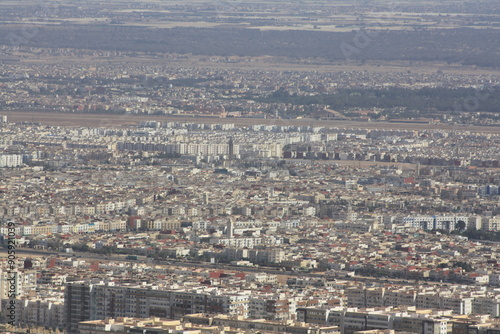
233	166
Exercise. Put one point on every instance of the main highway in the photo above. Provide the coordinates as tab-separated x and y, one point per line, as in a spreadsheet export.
217	266
116	120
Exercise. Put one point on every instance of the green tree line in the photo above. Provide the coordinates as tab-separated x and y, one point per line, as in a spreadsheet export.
436	99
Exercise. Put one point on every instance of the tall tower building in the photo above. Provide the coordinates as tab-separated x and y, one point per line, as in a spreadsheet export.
77	304
231	148
230	228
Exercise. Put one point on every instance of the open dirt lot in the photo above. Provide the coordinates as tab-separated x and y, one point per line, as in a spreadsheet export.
103	120
267	63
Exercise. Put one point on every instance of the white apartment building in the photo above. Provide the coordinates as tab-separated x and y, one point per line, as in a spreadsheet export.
18	282
11	160
447	223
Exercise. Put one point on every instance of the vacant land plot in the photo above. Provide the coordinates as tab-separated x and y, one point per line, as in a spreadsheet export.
106	120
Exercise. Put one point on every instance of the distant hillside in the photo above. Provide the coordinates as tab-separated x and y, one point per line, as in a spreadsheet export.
479	47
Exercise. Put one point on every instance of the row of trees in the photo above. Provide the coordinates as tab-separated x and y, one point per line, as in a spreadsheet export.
424	99
480	235
468	46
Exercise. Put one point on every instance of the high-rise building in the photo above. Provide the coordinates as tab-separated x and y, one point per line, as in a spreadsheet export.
231	149
85	302
230	228
77	304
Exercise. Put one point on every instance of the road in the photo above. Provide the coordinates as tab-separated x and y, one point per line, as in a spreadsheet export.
112	120
188	264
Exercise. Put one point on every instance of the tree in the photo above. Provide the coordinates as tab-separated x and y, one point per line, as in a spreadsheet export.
464	265
460	225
